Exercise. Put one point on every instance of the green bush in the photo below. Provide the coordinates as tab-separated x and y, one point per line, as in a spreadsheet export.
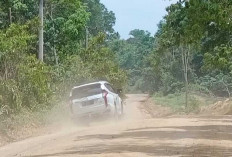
176	102
220	84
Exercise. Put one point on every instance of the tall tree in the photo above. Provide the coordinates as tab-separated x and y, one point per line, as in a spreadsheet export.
132	53
41	38
101	19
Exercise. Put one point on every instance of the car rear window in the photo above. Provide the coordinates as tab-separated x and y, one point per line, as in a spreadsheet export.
86	91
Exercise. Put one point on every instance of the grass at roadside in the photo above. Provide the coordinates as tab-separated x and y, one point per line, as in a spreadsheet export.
177	102
27	123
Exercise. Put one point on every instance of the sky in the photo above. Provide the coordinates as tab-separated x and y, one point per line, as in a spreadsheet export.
137	14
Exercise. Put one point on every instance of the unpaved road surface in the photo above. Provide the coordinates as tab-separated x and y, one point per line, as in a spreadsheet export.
137	135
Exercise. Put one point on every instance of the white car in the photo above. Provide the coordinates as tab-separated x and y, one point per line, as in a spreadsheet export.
95	99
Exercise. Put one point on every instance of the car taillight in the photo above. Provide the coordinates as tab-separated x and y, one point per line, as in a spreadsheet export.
104	95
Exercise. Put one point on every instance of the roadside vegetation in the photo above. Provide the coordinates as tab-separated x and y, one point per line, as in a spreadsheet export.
76	35
190	53
176	102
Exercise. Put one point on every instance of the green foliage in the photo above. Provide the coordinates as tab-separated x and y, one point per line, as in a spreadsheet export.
13	42
64	28
107	67
132	54
34	81
72	72
219	58
11	97
76	47
220	84
26	83
29	89
65	23
24	80
21	11
204	39
101	20
177	102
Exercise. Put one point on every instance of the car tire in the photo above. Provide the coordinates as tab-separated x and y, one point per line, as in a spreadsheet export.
122	112
122	108
116	115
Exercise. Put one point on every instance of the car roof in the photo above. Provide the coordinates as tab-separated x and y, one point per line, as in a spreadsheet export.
98	82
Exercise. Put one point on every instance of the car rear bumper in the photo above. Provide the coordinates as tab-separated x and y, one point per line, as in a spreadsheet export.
101	110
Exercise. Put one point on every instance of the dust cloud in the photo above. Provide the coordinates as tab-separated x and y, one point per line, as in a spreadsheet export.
136	134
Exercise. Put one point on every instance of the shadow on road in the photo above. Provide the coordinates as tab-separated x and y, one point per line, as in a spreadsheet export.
212	132
165	150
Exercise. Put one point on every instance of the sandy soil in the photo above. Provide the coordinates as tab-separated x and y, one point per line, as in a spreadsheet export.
136	135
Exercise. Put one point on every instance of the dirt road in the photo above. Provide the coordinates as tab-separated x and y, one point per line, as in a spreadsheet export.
137	135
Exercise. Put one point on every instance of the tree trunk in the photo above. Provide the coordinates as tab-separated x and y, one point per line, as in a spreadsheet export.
185	56
227	88
41	42
86	38
55	54
6	70
10	16
54	46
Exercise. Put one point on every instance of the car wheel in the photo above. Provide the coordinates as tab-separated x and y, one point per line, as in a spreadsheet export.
122	108
121	112
116	115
